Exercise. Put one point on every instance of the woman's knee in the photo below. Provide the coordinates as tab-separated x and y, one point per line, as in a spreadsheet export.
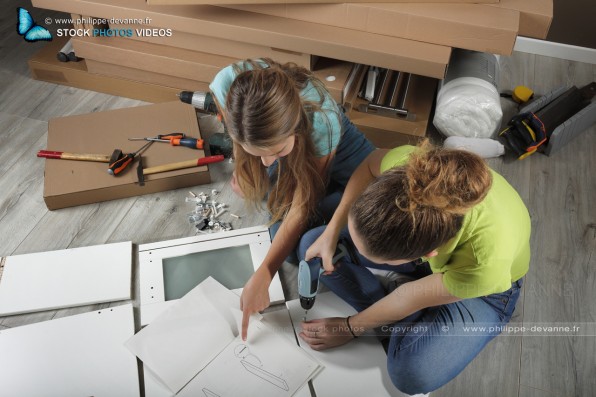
410	376
307	239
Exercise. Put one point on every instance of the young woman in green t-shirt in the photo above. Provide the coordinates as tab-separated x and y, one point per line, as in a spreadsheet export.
456	228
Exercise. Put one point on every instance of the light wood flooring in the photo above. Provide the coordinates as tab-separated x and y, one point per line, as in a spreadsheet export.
560	288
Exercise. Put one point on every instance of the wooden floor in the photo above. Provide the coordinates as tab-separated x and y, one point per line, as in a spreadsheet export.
560	289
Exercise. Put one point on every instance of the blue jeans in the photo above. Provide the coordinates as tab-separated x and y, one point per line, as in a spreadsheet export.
432	346
352	149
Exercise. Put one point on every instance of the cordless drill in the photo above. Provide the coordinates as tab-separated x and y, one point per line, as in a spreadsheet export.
203	101
199	99
309	273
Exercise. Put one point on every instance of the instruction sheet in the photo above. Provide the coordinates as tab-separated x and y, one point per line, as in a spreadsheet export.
193	348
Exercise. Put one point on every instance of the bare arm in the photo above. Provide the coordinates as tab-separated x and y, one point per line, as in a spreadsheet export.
366	172
407	299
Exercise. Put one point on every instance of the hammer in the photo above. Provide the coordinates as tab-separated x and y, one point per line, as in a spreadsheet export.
141	172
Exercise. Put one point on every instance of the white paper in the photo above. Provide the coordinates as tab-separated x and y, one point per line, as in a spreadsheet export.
358	368
180	342
199	335
278	320
66	278
81	355
268	364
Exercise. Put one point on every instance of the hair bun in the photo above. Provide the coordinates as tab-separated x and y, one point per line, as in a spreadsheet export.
451	181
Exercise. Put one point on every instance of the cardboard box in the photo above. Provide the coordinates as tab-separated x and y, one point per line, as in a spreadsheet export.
108	69
215	45
468	26
70	183
535	15
388	132
178	2
44	66
304	37
333	74
156	58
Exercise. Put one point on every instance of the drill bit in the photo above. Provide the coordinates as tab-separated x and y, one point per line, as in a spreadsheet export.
305	313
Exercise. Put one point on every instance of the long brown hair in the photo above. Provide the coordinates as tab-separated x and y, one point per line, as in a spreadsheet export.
263	107
413	209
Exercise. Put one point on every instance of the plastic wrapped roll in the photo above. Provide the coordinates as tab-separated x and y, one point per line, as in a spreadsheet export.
468	107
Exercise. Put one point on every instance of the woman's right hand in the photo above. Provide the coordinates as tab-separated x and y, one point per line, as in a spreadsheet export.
324	247
255	297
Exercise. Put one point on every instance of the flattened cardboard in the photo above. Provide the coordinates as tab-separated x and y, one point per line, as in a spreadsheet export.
535	15
156	58
304	37
387	132
215	45
468	26
44	66
108	69
70	183
177	2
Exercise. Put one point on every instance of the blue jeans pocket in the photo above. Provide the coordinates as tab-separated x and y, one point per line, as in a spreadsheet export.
504	303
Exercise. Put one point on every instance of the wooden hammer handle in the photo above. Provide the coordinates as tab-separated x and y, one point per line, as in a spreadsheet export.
86	157
50	154
183	164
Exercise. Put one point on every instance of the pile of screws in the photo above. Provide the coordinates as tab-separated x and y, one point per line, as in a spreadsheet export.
206	213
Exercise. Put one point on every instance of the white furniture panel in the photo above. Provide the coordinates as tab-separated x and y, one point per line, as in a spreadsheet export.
224	256
81	355
66	278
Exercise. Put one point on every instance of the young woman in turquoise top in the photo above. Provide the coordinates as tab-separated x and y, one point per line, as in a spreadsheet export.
293	147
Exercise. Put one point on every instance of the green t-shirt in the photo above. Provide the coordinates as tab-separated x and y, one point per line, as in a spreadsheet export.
491	250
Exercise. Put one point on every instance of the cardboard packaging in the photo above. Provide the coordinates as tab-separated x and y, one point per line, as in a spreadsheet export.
535	16
304	37
178	2
468	26
45	67
122	72
71	183
228	48
333	74
388	132
176	62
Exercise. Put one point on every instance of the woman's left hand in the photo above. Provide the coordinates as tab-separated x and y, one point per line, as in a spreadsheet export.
325	333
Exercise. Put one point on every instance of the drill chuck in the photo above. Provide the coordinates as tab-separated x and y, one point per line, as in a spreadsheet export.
199	99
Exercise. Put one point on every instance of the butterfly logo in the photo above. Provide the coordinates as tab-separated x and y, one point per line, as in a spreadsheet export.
27	27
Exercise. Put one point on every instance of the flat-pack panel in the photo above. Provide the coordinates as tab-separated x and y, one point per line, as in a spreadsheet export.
66	278
81	355
45	67
178	2
469	26
170	269
156	58
275	32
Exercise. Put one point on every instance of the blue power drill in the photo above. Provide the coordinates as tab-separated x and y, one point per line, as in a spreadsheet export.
309	273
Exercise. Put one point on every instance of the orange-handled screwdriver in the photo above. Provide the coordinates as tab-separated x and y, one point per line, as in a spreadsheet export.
120	164
188	142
